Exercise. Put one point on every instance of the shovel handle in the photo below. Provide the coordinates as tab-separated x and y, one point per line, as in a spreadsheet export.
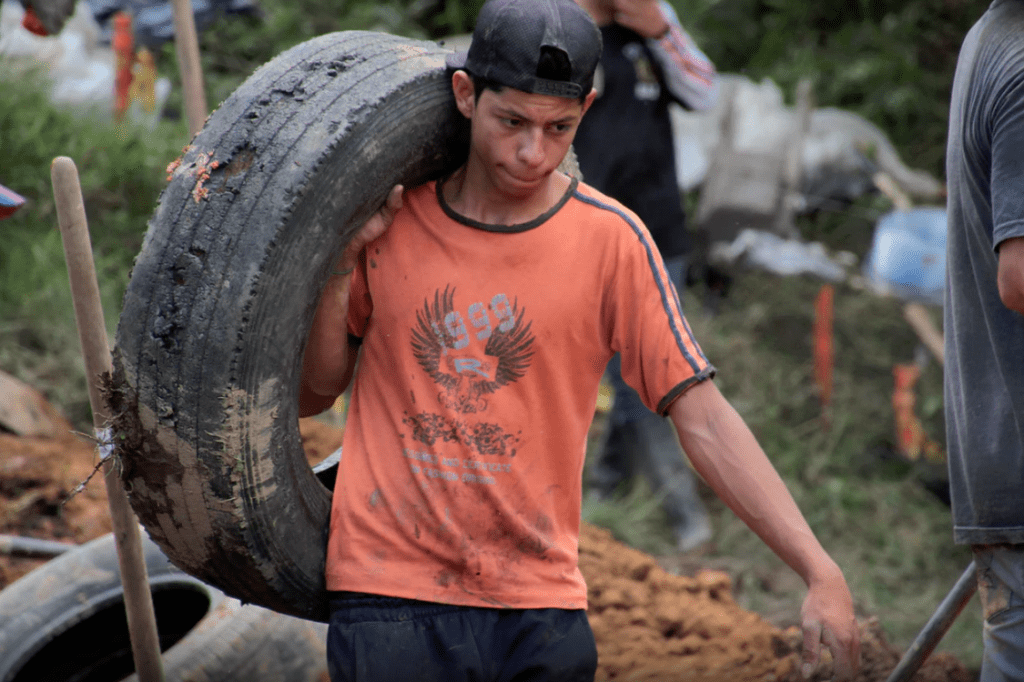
85	294
930	335
936	626
186	44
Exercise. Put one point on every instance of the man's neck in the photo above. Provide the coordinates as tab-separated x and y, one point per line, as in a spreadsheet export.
471	194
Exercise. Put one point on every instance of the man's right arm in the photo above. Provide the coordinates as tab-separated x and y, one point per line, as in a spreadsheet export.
329	360
1011	273
728	457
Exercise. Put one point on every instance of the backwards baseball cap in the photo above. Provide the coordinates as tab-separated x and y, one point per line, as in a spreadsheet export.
511	35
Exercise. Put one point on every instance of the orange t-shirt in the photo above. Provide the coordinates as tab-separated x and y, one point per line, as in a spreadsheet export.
482	353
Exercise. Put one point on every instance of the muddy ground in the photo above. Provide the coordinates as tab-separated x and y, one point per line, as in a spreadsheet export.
650	624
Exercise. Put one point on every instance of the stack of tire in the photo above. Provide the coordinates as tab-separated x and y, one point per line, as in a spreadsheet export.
66	621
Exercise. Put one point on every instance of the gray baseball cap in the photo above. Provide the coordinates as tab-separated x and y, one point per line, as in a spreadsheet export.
508	40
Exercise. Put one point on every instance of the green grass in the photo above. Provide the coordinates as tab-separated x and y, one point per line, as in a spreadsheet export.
121	172
633	516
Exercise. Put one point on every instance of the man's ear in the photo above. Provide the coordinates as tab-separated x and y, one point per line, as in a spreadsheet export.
465	93
589	100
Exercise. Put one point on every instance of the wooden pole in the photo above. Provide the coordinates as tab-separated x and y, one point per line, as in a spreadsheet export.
92	334
186	45
921	322
824	351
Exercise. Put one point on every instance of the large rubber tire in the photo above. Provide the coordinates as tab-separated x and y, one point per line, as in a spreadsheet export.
66	621
222	295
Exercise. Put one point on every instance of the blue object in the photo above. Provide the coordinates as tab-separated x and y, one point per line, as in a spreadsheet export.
10	201
908	255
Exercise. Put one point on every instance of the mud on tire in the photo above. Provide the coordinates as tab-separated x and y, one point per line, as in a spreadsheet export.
219	304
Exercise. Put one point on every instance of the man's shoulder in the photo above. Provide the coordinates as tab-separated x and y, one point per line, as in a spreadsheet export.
605	208
997	40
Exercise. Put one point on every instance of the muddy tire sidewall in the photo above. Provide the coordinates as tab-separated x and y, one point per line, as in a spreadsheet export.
222	295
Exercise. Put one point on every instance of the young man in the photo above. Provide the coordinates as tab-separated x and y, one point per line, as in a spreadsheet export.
626	150
984	318
483	310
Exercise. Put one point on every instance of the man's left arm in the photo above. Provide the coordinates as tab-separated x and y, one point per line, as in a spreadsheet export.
1011	273
726	454
1007	190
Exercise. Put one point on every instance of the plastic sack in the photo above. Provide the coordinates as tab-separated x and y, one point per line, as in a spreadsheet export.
787	257
907	258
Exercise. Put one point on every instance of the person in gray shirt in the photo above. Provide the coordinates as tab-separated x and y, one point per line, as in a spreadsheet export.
984	324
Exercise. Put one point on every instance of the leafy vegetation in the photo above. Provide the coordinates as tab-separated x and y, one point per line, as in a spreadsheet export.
888	61
891	62
121	170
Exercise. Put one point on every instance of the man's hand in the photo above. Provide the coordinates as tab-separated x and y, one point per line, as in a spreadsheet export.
827	617
371	229
643	16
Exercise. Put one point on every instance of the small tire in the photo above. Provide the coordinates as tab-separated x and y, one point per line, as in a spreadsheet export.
66	621
221	298
246	642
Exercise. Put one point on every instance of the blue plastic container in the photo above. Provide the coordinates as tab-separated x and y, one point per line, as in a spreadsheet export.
908	255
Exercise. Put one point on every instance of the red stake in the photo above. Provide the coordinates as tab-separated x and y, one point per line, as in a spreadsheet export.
124	48
823	350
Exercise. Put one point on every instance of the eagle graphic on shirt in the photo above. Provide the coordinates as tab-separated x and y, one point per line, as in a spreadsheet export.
471	354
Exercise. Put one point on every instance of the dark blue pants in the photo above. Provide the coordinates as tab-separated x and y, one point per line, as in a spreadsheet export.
372	638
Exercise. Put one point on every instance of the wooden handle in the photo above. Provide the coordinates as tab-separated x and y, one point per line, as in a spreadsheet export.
888	187
85	294
186	45
921	322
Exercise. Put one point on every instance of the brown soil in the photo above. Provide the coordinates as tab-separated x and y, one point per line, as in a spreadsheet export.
654	626
650	625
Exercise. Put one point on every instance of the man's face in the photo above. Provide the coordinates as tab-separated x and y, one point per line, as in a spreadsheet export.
520	138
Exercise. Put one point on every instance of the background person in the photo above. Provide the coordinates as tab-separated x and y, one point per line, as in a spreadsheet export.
984	324
625	149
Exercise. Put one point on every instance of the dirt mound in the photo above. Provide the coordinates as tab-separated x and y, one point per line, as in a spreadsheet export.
654	626
650	625
37	476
